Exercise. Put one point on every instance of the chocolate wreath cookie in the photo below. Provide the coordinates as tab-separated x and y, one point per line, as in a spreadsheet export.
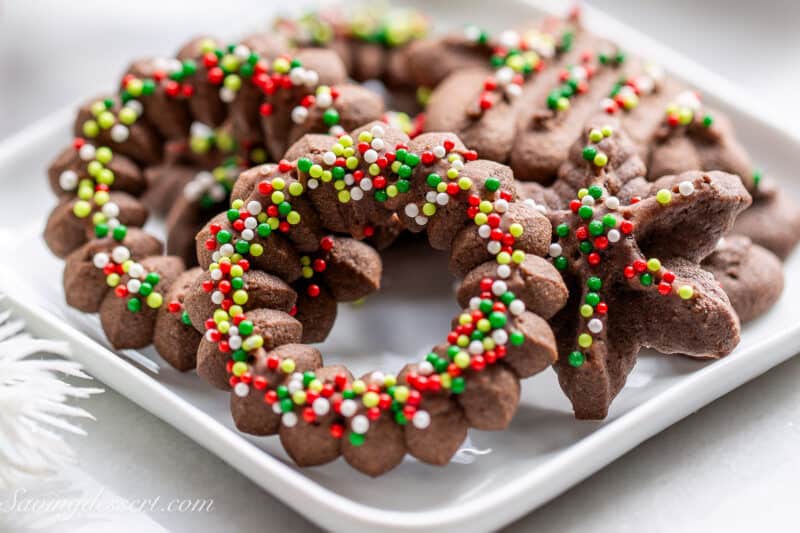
252	329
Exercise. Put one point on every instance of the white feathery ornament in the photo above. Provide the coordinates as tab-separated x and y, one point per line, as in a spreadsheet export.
33	408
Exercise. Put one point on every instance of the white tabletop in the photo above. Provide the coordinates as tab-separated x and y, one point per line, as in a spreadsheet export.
732	466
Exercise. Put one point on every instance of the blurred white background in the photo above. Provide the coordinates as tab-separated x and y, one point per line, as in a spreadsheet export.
733	466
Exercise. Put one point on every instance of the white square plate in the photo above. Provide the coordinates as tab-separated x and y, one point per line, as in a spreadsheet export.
501	476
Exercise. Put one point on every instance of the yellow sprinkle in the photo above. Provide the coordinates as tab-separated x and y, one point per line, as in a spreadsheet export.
653	265
359	387
287	365
239	368
401	393
584	340
516	229
299	397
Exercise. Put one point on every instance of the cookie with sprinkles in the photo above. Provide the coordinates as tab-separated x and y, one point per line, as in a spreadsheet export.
635	281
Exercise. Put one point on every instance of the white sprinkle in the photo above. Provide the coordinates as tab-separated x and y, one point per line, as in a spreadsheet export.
216	274
555	250
588	200
430	197
217	297
235	342
68	180
120	254
359	424
377	377
365	184
475	302
226	250
503	271
442	198
517	307
134	285
119	133
100	259
513	90
500	336
297	74
323	100
136	270
288	419
329	158
299	114
421	220
227	95
425	368
253	207
321	406
421	419
595	325
377	131
686	188
356	194
247	234
494	247
250	223
349	179
311	78
484	231
348	408
504	76
612	202
312	184
241	389
295	385
499	288
111	210
439	151
613	235
87	152
501	206
370	156
276	408
475	347
411	210
136	107
378	144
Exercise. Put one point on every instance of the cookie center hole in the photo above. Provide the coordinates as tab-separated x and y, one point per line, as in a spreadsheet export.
400	323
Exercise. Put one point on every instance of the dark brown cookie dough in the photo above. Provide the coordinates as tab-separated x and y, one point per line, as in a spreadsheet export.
175	339
354	270
750	275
